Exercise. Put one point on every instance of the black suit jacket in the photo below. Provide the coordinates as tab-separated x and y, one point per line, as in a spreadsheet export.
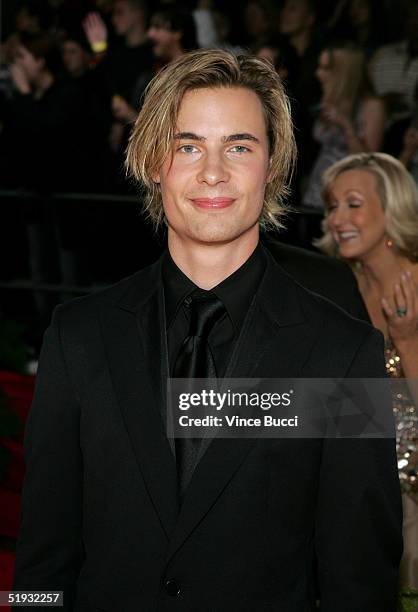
100	514
328	276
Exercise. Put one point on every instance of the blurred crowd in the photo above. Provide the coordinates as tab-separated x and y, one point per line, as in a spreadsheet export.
73	73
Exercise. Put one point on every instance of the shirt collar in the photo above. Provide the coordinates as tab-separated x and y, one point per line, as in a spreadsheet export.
236	291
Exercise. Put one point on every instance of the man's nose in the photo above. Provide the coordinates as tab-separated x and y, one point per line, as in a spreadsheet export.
213	169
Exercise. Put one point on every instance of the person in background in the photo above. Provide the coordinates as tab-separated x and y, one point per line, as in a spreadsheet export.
259	20
371	221
31	17
132	54
409	152
351	119
279	53
222	23
401	140
76	55
80	68
394	69
34	16
47	147
172	33
364	22
43	126
126	67
296	23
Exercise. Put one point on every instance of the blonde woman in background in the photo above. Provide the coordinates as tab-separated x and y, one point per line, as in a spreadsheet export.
351	118
371	220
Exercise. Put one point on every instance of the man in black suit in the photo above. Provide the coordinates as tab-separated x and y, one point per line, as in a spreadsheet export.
121	518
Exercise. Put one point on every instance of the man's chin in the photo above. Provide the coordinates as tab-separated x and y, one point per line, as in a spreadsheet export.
216	234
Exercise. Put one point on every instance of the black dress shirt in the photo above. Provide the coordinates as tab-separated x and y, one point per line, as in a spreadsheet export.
236	293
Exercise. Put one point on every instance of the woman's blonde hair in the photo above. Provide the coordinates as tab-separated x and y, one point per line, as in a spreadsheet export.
349	80
152	135
398	196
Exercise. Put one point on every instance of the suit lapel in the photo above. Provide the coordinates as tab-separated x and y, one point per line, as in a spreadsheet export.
134	336
274	342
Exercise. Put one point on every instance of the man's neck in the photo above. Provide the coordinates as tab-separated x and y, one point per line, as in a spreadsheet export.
207	265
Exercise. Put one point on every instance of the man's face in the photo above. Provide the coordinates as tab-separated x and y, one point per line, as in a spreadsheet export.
125	16
165	41
25	22
256	20
213	181
295	17
74	57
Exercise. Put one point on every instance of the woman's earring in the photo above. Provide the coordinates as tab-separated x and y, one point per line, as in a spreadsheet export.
389	243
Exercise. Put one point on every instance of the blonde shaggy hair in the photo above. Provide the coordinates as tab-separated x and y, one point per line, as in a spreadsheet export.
152	135
349	80
398	196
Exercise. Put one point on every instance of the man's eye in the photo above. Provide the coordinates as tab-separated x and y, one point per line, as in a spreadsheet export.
332	206
354	204
241	148
187	149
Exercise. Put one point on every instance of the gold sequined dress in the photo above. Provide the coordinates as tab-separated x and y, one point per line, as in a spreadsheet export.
406	422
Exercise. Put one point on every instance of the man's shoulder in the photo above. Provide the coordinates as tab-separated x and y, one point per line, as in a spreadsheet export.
126	293
330	320
316	305
327	276
292	257
342	342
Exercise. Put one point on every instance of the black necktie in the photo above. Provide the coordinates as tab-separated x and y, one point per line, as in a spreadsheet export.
195	360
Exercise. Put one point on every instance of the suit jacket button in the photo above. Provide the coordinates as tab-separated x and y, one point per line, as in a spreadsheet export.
172	587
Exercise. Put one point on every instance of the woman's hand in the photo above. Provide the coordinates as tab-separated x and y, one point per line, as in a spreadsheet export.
330	114
19	78
402	319
402	323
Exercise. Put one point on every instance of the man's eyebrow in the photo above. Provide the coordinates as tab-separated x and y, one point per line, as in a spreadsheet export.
242	136
188	136
230	138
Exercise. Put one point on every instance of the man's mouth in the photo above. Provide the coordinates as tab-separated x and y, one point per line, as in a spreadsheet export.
213	203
